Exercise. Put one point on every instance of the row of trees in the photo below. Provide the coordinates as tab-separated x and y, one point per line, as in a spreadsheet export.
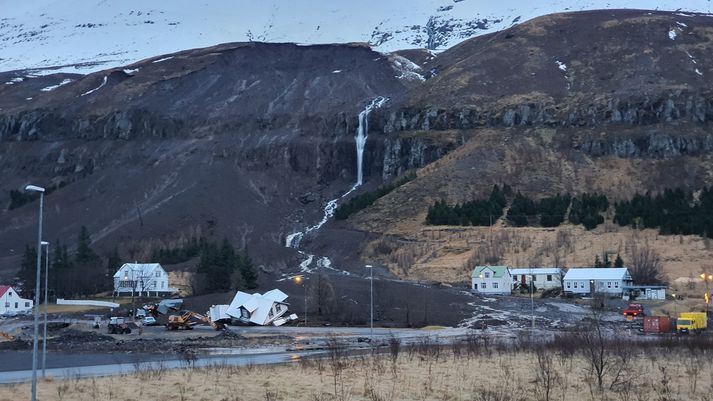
222	268
85	273
480	212
366	199
79	274
673	211
551	211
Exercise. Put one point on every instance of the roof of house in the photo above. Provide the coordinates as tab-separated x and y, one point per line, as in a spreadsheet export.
139	269
257	304
498	271
537	270
601	273
3	289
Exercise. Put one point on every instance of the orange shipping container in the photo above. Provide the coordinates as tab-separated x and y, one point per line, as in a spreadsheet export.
657	324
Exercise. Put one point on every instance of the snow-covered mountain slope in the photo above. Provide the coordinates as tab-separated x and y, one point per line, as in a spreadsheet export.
89	35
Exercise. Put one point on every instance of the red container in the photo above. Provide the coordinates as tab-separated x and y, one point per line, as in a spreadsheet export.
657	324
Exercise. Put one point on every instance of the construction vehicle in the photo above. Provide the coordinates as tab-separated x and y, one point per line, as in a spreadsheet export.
117	325
184	322
691	322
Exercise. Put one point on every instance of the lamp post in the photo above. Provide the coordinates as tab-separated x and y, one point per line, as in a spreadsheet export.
371	300
44	334
300	280
34	188
532	298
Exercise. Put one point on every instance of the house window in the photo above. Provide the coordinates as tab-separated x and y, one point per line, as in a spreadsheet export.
278	307
27	304
495	285
608	284
533	278
486	274
483	286
244	313
514	278
616	284
549	277
10	293
15	305
7	304
569	285
158	274
270	314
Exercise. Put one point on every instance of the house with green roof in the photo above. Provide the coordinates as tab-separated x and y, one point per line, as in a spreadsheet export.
491	280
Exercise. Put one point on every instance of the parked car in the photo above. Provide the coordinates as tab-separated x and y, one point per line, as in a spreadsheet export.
149	321
634	310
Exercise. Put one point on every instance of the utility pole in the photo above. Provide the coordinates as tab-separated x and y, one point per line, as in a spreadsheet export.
33	188
371	300
44	335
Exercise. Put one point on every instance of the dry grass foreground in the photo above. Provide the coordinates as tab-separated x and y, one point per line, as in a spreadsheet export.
467	371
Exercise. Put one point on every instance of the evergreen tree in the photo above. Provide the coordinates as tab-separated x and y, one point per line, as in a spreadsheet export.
27	275
597	262
619	262
247	269
113	262
84	252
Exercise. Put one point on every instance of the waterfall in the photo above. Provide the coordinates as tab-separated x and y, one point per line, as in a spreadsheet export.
361	135
293	240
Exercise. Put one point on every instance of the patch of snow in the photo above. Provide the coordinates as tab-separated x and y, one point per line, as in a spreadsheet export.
131	71
53	87
89	92
14	81
691	57
682	24
407	69
672	34
698	72
562	66
162	59
336	71
28	98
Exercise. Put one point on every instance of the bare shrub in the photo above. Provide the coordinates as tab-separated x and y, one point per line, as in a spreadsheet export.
546	374
645	263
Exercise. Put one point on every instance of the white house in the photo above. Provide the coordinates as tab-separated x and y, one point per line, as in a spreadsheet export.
142	279
260	309
491	280
11	303
543	278
607	280
633	291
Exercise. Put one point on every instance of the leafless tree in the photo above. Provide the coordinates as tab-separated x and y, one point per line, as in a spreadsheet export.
322	292
645	262
547	375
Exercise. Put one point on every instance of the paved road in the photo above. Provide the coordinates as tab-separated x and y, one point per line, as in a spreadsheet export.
110	369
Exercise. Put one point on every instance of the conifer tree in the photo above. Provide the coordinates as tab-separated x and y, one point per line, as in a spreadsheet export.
619	262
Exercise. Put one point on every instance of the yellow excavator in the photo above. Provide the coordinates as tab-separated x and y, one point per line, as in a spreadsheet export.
184	322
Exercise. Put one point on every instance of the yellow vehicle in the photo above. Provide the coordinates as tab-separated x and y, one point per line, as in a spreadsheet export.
183	321
691	322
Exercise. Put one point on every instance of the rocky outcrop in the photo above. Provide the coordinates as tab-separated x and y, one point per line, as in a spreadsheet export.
696	108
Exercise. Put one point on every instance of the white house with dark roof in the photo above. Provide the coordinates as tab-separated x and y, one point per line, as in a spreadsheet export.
142	279
607	280
544	278
11	303
491	280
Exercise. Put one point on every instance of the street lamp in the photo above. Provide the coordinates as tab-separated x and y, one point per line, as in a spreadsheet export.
300	280
34	188
371	300
44	335
706	278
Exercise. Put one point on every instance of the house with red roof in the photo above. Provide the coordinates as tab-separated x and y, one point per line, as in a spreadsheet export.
11	303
